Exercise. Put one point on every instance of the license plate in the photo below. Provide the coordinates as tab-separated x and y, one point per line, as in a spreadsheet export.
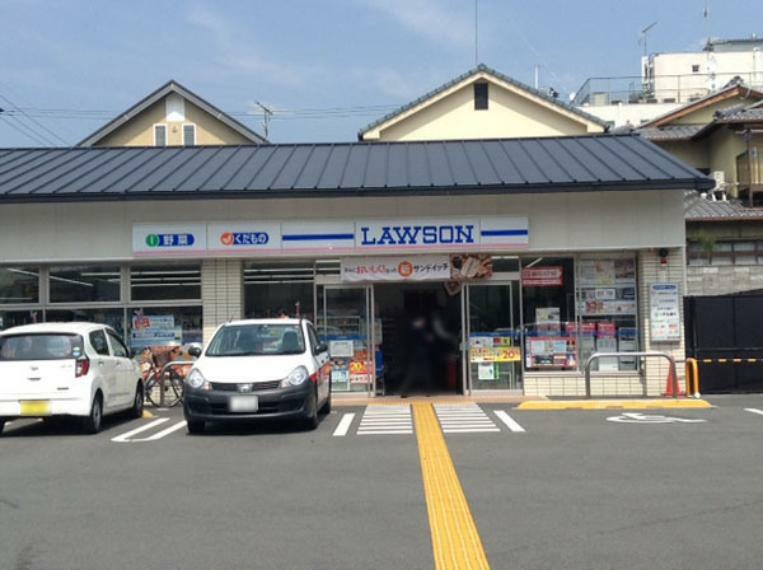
35	408
243	404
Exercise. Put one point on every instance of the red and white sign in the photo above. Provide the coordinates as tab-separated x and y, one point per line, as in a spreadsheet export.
542	276
413	268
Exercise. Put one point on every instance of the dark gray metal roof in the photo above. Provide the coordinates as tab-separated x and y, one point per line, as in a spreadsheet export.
699	209
482	68
171	86
555	164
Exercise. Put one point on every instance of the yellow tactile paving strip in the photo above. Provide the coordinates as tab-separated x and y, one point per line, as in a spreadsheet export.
456	543
549	405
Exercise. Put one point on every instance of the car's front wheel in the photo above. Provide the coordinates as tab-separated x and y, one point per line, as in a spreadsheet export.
137	405
326	409
92	423
195	427
311	418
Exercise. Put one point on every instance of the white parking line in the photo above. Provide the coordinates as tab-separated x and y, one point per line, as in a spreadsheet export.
754	411
510	422
124	438
344	425
164	432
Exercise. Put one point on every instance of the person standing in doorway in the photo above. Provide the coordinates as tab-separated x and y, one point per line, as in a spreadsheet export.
418	375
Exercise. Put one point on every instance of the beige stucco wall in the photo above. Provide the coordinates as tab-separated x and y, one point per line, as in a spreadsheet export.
694	153
557	222
724	147
509	115
706	115
139	131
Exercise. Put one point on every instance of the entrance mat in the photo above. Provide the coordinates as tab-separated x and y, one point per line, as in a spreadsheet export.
549	405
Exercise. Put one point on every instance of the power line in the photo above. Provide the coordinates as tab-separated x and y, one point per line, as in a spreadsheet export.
34	121
29	135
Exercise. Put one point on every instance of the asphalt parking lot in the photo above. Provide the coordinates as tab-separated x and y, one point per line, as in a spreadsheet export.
566	489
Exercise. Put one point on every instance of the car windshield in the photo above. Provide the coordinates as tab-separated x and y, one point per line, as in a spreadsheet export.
257	340
40	347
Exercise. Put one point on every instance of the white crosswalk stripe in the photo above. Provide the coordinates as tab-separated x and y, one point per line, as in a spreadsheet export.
386	420
464	418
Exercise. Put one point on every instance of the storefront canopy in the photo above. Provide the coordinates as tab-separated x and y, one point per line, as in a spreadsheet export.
563	164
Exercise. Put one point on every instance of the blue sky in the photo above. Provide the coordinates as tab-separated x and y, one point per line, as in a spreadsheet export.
328	67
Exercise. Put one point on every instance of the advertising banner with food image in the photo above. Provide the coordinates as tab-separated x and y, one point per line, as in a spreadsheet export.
156	340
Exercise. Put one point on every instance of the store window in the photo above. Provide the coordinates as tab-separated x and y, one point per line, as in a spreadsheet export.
165	282
84	283
10	319
19	285
272	288
606	290
167	327
113	317
548	298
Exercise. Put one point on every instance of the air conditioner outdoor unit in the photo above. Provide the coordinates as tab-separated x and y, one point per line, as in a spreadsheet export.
719	191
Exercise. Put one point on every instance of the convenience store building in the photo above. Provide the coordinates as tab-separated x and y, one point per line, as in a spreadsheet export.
534	252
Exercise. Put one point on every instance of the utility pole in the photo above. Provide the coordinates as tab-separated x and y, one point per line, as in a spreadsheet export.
266	115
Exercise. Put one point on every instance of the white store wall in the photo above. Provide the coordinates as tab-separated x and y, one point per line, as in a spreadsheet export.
558	222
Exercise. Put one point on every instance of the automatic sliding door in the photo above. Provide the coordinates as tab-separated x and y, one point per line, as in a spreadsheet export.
494	339
344	323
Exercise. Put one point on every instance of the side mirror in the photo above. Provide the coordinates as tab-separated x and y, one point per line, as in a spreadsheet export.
194	350
321	348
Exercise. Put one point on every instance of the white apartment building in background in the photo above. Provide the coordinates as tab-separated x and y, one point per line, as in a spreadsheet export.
671	79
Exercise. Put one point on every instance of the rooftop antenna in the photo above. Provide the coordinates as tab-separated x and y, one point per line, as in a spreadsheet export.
645	36
266	115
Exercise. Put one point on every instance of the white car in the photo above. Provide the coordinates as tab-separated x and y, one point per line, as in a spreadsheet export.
67	369
259	368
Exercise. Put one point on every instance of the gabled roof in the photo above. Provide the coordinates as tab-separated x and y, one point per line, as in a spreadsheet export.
481	70
590	163
729	92
172	86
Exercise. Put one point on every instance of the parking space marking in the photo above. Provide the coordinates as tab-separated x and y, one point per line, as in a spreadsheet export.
456	542
125	437
464	418
165	432
645	419
754	411
386	420
510	422
344	425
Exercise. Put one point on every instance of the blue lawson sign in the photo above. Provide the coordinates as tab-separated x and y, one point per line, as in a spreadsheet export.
348	237
452	234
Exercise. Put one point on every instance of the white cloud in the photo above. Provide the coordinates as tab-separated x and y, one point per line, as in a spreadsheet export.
238	54
434	20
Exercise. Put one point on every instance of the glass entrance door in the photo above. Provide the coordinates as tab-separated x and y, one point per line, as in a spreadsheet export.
493	343
344	323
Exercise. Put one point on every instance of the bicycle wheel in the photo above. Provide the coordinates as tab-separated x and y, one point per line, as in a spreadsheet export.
177	386
153	391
